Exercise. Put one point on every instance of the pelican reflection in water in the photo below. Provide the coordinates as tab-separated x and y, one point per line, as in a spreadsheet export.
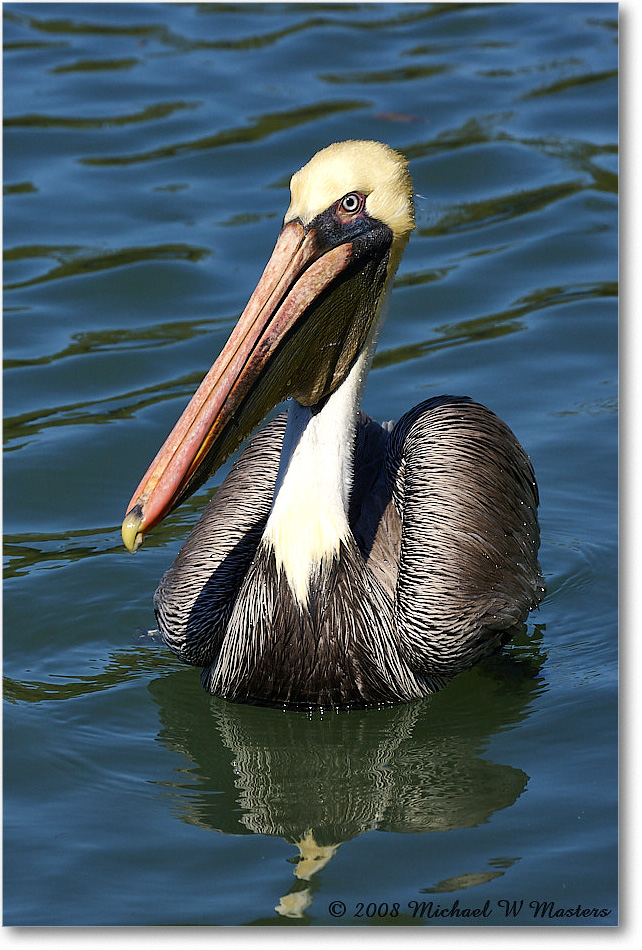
341	563
402	771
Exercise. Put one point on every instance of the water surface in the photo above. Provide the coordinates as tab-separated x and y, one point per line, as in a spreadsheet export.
147	154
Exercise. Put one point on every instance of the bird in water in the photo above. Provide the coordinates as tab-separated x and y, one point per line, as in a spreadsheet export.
341	563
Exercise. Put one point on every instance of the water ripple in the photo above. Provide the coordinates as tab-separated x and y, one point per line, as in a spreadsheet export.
151	113
403	74
121	339
262	127
22	429
479	214
75	261
28	550
563	85
494	325
95	65
123	666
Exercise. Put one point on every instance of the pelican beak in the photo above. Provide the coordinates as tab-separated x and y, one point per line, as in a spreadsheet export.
299	335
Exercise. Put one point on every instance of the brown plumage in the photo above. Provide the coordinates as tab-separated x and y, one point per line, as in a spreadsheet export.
341	563
443	564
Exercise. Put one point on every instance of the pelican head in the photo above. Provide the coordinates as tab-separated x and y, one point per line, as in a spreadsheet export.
315	309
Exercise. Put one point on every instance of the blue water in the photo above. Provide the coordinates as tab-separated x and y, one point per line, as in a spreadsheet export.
147	154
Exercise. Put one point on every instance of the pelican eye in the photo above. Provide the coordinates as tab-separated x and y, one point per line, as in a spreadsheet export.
352	203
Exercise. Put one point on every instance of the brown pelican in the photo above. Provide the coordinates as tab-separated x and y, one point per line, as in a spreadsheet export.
341	563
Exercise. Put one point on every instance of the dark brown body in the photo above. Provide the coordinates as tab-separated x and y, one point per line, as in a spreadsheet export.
441	565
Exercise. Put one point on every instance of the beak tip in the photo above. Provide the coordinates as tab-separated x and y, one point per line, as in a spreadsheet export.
132	529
